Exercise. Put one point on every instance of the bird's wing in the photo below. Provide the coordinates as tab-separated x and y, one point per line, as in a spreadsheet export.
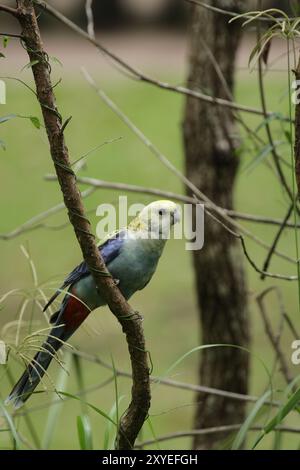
109	250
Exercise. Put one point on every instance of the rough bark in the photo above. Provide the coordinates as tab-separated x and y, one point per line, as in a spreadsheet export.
211	164
137	412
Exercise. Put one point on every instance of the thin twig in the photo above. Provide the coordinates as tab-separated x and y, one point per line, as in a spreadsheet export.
212	430
11	35
265	273
138	75
232	14
276	239
35	222
268	328
57	401
90	18
9	10
276	158
175	383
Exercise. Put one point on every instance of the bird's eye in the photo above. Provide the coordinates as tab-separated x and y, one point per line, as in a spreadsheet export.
161	212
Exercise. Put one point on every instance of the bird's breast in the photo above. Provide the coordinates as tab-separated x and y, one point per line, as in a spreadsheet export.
135	266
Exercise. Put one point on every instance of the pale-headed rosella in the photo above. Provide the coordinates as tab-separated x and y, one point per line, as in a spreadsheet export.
131	256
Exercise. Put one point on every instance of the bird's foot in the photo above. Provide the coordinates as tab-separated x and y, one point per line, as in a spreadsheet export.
138	316
117	281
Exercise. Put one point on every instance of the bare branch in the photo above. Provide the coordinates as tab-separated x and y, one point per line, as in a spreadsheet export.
35	222
276	157
90	18
281	357
232	14
9	10
283	277
176	383
11	35
213	430
276	239
138	75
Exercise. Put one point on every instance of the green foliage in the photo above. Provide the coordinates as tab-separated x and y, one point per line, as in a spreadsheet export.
5	41
291	404
242	434
85	434
35	121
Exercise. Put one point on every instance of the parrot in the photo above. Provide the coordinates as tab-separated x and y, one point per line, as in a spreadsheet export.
131	256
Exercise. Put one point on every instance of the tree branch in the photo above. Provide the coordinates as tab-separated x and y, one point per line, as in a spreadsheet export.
9	10
276	239
35	222
137	412
276	157
212	430
232	14
275	343
176	384
138	75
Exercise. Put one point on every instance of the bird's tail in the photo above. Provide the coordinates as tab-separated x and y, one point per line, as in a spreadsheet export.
66	321
36	369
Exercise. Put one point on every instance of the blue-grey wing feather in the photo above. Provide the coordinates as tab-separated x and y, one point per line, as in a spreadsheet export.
109	251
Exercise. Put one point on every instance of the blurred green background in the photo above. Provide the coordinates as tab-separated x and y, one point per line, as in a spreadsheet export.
168	304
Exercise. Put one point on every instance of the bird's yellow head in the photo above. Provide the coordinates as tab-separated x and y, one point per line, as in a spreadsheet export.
157	218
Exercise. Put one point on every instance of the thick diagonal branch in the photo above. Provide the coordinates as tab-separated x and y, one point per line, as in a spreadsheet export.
136	414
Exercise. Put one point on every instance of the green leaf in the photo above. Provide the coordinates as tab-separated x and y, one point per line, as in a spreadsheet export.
241	435
11	425
287	408
84	430
288	136
108	429
290	405
54	413
56	60
97	410
30	64
5	41
265	151
267	120
116	390
35	121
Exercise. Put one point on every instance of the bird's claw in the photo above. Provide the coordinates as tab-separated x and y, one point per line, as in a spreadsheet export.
117	282
138	316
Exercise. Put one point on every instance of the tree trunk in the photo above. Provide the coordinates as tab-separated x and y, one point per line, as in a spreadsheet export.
211	164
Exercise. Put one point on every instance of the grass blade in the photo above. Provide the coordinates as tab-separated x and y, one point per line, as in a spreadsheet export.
54	411
240	437
85	434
